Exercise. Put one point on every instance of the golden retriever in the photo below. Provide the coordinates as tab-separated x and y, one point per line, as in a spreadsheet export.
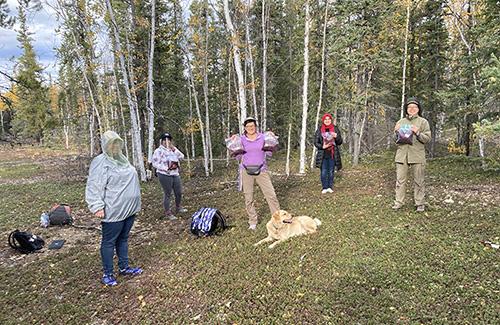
283	226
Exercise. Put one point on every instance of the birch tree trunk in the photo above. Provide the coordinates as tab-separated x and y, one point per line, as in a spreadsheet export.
263	114
287	166
125	131
193	153
65	118
237	64
151	114
404	58
251	64
228	127
303	133
316	121
205	95
198	112
136	134
360	119
1	122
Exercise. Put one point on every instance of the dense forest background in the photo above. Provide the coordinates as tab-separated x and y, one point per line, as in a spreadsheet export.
197	68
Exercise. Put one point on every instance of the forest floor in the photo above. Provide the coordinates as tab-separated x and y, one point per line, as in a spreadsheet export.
366	264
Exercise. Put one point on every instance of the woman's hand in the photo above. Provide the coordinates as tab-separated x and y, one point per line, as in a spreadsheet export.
100	213
334	134
327	145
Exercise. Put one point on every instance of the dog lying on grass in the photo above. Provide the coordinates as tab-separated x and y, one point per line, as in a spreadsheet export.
283	226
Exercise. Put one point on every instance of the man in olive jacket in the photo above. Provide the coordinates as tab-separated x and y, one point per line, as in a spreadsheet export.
412	154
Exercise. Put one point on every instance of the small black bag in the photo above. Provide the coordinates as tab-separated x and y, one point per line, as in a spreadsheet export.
25	242
253	170
60	215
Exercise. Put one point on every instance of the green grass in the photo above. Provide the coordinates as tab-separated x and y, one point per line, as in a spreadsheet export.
21	171
367	264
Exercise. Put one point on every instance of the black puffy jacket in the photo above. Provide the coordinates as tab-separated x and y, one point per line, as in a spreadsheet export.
318	143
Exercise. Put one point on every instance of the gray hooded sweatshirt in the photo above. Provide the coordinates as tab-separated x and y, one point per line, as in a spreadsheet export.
113	184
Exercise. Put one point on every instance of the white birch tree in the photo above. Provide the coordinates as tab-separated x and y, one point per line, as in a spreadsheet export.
305	104
136	134
237	64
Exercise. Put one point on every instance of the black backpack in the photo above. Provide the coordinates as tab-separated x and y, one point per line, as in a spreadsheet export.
207	222
25	242
60	215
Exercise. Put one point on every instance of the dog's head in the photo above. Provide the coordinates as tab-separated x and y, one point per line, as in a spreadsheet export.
280	217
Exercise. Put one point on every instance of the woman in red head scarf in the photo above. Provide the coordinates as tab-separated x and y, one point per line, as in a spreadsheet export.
327	140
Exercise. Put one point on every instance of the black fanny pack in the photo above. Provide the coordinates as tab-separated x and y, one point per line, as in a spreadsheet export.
253	170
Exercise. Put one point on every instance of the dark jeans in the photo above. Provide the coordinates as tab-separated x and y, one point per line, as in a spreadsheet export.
115	236
327	170
168	183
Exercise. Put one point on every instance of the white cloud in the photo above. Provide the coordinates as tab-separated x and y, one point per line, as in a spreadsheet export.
42	25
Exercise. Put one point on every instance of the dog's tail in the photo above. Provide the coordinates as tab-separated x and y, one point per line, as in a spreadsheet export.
318	222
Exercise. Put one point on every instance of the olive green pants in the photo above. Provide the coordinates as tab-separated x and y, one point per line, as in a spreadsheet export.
264	182
418	182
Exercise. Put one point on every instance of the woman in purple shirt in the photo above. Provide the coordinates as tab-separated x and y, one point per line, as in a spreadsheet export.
253	168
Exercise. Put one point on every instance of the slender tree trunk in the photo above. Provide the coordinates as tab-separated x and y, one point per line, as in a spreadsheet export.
198	112
205	95
237	64
125	131
305	104
251	64
287	166
151	114
1	123
65	125
193	153
404	58
263	114
91	125
316	121
228	128
136	135
360	122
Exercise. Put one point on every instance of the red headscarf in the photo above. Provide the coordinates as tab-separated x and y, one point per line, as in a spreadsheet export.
324	127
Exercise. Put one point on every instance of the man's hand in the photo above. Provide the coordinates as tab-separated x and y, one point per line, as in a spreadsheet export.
396	128
415	129
100	213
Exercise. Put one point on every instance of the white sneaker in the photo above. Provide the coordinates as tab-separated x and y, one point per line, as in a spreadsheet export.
252	227
329	190
324	191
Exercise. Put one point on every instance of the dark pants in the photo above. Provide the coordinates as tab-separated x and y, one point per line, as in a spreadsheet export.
327	170
168	183
115	236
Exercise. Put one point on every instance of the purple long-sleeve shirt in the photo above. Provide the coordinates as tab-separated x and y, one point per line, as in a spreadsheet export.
254	154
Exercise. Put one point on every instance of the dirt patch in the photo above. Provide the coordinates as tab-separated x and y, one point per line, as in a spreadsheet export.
86	233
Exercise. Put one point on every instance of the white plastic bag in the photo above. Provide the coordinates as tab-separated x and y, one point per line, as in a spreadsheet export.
270	141
234	145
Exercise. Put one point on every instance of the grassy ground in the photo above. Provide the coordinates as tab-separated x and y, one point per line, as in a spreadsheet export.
367	263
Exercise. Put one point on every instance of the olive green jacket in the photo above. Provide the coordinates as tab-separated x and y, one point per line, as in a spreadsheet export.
415	153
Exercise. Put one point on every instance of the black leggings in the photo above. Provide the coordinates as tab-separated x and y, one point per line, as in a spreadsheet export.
168	183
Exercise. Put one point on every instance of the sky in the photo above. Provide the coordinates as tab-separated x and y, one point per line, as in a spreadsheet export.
43	25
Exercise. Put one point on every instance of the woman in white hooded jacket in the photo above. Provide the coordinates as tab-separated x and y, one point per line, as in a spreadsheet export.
113	194
166	161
